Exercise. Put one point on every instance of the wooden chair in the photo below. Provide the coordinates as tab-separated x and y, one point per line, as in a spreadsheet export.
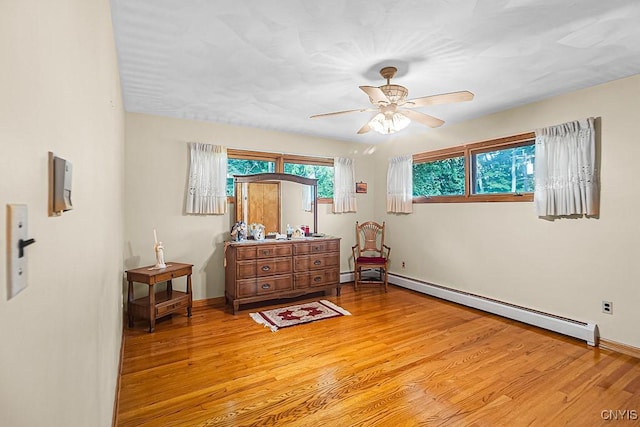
370	253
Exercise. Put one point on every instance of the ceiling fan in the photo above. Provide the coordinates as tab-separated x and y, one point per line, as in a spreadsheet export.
394	109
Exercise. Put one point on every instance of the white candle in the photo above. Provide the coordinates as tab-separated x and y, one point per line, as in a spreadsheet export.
155	236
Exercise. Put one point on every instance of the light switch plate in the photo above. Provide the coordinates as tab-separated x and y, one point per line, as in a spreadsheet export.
17	216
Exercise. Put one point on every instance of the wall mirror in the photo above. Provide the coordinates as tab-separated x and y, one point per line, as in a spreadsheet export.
275	200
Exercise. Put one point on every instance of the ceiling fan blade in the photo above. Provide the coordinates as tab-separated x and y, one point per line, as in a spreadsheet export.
419	117
364	129
376	95
444	98
337	113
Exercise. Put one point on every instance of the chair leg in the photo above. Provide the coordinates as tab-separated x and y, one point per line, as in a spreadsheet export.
386	280
355	279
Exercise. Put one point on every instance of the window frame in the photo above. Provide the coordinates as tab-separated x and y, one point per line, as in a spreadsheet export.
279	159
467	151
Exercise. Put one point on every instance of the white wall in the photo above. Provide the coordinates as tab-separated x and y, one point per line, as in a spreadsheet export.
503	251
60	337
156	180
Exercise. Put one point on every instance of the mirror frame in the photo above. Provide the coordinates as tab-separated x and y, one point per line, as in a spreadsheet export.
237	179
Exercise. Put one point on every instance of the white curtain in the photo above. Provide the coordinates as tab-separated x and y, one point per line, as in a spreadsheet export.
344	186
207	191
565	170
400	184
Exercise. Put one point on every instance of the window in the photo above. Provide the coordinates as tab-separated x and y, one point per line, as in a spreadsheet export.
243	162
508	170
322	172
247	163
245	167
439	177
489	171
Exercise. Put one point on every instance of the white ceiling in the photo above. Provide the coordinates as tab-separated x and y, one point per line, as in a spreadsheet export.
272	64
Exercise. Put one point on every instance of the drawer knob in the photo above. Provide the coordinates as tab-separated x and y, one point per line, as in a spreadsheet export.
266	268
317	279
266	286
317	262
316	248
265	252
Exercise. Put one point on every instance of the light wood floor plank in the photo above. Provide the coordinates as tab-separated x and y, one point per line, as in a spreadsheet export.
401	359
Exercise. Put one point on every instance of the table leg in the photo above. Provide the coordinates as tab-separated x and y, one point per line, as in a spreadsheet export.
152	308
169	287
129	302
190	295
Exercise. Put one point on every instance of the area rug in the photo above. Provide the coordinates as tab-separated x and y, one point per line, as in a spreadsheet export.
285	317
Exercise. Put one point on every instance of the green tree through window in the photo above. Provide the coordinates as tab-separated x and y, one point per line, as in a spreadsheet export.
246	167
439	178
504	171
324	175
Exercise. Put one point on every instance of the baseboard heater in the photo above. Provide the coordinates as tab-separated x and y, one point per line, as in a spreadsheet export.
573	328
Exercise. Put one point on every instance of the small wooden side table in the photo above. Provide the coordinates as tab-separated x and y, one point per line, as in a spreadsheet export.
156	305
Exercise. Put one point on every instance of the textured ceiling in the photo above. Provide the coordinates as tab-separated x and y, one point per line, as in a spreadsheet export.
272	64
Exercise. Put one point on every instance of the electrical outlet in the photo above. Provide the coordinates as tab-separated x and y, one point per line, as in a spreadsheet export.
403	265
607	307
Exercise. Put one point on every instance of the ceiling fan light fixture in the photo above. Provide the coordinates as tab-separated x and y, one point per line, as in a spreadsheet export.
395	93
389	123
387	98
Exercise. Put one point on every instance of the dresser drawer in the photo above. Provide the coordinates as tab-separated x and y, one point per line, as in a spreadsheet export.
272	266
274	284
316	278
247	288
263	251
316	247
314	262
270	251
248	252
264	285
246	269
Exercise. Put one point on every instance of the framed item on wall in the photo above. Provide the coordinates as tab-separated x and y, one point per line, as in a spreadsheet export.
361	187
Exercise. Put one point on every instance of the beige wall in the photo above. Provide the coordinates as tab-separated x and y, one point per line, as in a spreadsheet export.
156	179
60	337
503	251
499	250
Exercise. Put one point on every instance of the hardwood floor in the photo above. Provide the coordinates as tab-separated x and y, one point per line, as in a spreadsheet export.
401	359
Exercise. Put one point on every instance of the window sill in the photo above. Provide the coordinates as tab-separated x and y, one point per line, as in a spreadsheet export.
476	198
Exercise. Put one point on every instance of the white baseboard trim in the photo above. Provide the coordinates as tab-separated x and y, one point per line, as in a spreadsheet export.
347	277
573	328
350	276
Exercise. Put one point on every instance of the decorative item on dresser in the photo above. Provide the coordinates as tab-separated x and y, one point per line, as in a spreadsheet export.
265	270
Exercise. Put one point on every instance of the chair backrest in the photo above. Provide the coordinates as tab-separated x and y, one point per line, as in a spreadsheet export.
370	236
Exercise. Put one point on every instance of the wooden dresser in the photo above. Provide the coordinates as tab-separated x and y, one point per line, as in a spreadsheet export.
272	269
